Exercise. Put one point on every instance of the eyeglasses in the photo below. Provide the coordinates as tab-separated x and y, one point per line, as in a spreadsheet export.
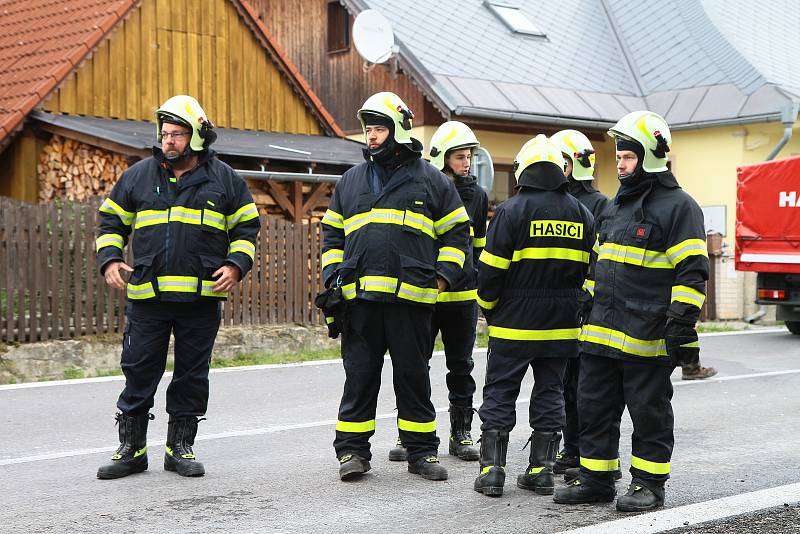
175	135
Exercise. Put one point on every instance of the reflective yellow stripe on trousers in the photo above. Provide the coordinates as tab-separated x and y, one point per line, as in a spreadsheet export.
413	426
361	426
655	468
600	465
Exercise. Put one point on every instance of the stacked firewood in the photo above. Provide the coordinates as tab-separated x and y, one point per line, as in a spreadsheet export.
72	170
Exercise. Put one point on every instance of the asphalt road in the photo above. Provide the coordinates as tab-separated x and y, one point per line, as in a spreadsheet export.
271	466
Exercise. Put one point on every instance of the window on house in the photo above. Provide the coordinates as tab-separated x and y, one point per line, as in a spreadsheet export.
513	17
338	27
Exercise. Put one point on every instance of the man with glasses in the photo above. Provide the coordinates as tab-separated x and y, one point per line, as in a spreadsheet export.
196	228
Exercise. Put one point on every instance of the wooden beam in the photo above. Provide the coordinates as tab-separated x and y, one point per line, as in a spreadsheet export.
281	198
297	200
313	199
94	141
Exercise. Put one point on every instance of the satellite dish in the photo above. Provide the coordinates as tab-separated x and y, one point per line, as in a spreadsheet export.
373	36
483	168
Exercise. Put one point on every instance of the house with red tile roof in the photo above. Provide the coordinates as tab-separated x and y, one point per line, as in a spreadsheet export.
91	73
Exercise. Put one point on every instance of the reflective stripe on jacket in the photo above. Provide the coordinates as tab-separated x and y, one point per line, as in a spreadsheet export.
391	247
652	264
477	205
184	230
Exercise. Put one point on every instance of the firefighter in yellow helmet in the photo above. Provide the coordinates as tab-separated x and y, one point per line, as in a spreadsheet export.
579	159
394	237
196	230
648	286
535	261
456	315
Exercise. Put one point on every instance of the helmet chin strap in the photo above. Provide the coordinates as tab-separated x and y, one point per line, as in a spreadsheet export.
179	159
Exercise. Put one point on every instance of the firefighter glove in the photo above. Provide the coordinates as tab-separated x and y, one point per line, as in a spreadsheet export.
682	343
331	303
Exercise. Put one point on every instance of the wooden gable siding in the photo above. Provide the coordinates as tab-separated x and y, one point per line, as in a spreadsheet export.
301	27
196	47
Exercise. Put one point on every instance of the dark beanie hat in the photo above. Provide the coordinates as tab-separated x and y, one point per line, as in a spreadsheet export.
633	146
376	119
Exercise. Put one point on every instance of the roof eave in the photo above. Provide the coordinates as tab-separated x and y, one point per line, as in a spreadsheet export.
733	121
532	118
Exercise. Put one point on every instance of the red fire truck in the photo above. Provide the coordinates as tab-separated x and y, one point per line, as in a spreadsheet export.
768	233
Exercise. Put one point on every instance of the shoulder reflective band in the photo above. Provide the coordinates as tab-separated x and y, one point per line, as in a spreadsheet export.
495	261
622	342
417	294
634	256
412	426
214	219
109	206
348	426
207	290
185	215
382	284
245	246
567	229
151	217
349	291
109	240
451	254
457	296
600	465
684	249
485	304
551	253
420	222
141	291
655	468
334	219
479	242
446	223
332	256
243	214
588	285
519	334
687	295
177	284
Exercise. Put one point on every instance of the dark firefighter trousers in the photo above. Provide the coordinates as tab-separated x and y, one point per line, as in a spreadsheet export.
144	354
457	323
571	428
370	328
606	386
504	375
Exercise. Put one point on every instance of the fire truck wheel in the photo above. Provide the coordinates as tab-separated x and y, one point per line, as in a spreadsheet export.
794	327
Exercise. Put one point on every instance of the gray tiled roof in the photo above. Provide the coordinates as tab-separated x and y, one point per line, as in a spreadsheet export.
695	61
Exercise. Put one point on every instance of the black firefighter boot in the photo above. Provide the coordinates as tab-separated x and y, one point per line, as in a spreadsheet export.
460	433
640	498
492	477
582	492
539	475
131	456
399	453
179	456
565	461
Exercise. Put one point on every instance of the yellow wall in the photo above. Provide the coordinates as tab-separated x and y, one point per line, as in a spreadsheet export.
197	47
18	168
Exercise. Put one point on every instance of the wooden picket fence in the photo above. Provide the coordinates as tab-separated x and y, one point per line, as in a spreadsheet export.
50	287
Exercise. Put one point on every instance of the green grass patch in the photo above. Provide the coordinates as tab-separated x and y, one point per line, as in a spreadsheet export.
73	372
708	328
109	372
263	358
